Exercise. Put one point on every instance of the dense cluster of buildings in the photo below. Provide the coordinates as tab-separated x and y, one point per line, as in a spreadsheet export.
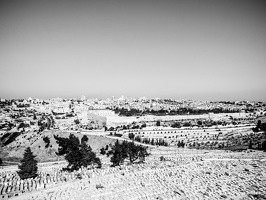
169	104
96	113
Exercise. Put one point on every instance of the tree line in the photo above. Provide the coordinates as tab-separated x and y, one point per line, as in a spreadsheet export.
179	111
126	151
153	141
78	154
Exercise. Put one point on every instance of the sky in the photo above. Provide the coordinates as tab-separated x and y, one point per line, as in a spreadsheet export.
201	50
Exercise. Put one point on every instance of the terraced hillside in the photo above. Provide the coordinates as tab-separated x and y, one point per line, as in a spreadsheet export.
181	174
45	148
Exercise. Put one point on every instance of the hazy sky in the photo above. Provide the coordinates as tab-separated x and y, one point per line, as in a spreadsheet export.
202	50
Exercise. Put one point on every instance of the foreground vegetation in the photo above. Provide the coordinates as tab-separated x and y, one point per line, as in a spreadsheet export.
127	150
78	154
28	167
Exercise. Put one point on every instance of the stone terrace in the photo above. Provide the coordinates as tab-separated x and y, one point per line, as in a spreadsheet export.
184	174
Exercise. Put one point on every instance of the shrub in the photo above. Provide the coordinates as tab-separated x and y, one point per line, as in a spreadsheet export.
99	186
162	158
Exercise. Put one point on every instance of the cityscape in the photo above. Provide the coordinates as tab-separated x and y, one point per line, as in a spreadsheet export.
170	134
132	100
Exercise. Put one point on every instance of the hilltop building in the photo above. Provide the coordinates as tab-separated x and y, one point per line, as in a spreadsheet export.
102	112
83	98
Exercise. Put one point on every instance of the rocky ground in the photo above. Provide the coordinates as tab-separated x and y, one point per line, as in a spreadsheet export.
168	173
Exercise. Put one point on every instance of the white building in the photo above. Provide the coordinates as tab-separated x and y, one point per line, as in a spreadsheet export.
83	98
103	112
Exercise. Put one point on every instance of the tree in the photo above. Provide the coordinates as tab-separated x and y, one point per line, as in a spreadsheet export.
77	154
199	123
28	167
263	145
186	124
138	138
124	127
250	144
76	121
255	129
158	123
263	126
143	125
52	121
194	144
84	138
47	141
131	136
142	153
182	144
176	125
21	125
132	151
102	151
118	155
111	129
127	150
259	123
152	141
88	156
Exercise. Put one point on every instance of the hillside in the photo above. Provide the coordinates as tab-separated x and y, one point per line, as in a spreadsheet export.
14	150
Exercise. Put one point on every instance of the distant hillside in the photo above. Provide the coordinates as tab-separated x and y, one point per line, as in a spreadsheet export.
44	152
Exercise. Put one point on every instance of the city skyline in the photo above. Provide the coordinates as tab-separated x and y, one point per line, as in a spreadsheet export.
167	49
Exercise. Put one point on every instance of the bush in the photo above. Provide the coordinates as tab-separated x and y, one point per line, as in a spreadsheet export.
162	158
28	167
99	186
